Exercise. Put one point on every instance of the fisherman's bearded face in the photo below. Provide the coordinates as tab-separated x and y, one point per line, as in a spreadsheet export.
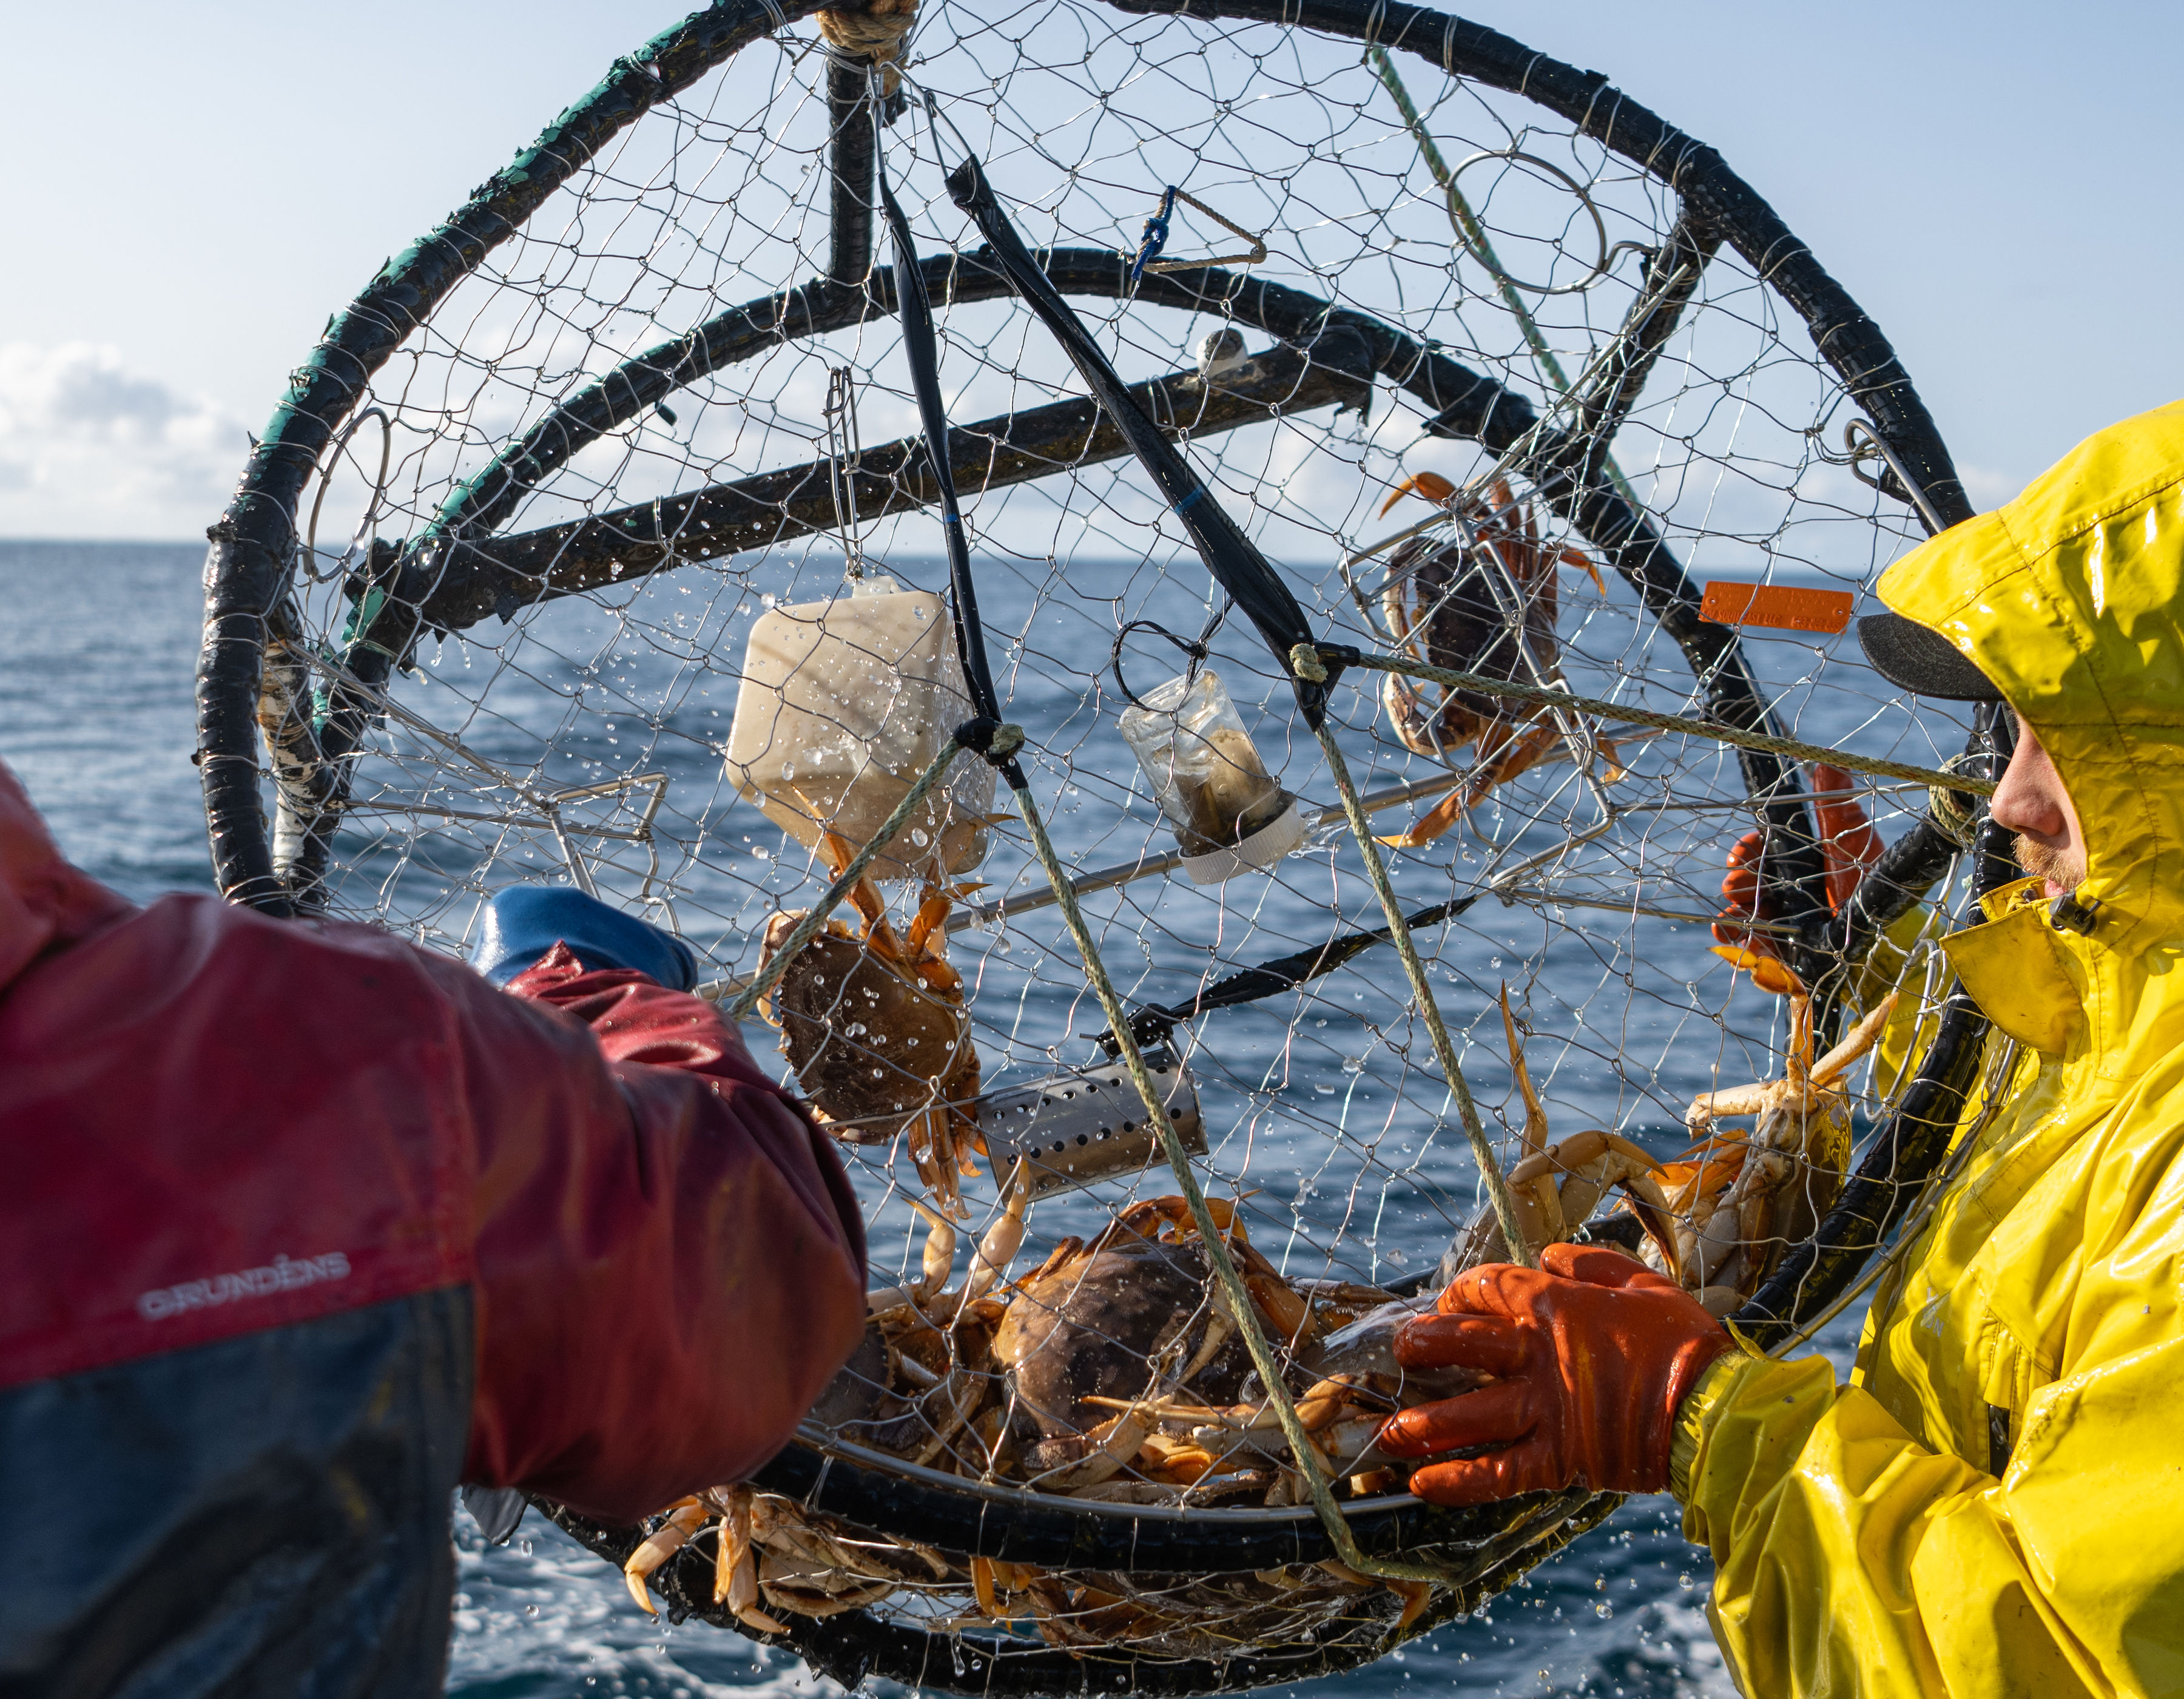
2062	866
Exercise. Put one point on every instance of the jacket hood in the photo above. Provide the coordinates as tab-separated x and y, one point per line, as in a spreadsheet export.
2071	597
43	900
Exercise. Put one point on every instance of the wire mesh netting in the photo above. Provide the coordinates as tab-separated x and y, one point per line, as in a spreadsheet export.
645	592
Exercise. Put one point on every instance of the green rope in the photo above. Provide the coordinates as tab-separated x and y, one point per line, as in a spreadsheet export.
1414	970
1764	742
1225	1272
1474	233
763	981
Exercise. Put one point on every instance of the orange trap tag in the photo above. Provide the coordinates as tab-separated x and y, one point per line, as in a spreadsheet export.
1784	607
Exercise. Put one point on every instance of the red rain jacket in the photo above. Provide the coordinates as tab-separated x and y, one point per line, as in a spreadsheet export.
303	1226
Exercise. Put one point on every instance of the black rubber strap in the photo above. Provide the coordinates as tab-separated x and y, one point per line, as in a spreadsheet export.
1230	555
1269	978
924	348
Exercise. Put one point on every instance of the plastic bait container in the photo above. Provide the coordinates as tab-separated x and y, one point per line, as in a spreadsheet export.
844	704
1230	815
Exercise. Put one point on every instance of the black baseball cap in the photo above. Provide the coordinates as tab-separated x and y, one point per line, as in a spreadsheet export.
1918	659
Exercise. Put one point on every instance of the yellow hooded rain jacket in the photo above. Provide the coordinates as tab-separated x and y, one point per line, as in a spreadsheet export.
1861	1542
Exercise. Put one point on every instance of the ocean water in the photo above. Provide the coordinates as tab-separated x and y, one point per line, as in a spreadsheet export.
97	643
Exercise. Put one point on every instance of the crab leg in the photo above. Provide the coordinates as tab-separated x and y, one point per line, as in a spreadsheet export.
735	1571
1524	751
1003	1239
1535	1112
684	1519
1856	1043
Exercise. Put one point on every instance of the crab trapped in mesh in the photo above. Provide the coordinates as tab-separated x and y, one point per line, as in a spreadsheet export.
689	636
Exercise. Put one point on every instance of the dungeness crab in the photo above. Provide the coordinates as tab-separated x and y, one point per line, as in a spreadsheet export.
1114	1371
875	1027
1484	602
1740	1200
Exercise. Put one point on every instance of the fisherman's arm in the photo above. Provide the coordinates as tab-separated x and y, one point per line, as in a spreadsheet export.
1849	1558
670	1260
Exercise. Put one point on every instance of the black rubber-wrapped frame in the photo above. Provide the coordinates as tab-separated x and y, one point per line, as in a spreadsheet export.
253	548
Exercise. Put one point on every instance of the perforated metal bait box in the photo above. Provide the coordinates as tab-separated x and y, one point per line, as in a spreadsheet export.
1075	1127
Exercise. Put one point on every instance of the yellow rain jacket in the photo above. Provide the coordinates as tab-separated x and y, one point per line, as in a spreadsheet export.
1996	1503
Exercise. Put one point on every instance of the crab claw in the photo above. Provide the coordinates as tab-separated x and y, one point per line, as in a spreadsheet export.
1849	846
1431	485
1767	973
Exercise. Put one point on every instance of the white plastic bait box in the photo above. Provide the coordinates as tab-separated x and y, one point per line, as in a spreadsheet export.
1230	815
1086	1124
842	705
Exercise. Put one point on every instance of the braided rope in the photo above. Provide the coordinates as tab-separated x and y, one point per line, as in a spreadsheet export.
877	33
1399	930
1311	665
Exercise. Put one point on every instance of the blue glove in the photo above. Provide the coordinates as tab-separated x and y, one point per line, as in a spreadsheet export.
524	922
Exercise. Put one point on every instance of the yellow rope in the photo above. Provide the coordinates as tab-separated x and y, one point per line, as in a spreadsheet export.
1414	970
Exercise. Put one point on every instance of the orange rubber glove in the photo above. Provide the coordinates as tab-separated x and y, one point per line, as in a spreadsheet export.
1592	1353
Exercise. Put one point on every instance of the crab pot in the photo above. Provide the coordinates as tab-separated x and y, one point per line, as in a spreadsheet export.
1230	815
1072	1129
842	705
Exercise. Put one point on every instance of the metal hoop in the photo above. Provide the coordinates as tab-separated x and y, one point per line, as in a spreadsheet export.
368	525
1585	199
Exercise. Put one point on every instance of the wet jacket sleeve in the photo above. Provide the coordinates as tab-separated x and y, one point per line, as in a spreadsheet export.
670	1261
1850	1558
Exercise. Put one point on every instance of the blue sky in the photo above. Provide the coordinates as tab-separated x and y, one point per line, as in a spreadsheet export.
196	188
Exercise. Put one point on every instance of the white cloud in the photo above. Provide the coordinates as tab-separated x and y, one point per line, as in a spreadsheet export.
92	447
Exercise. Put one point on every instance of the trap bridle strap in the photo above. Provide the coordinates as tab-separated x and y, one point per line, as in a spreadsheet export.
1231	557
922	348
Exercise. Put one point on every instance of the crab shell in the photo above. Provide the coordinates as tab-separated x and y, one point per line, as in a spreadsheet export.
1095	1325
1747	1199
1441	603
871	1046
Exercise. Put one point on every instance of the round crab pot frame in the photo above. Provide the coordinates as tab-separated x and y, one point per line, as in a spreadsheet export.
600	467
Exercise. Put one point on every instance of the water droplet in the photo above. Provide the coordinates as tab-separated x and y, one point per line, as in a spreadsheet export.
1496	963
1353	1064
531	1609
1684	1582
1603	1610
917	837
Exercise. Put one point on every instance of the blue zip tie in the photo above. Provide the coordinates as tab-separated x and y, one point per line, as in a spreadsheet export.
1155	236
